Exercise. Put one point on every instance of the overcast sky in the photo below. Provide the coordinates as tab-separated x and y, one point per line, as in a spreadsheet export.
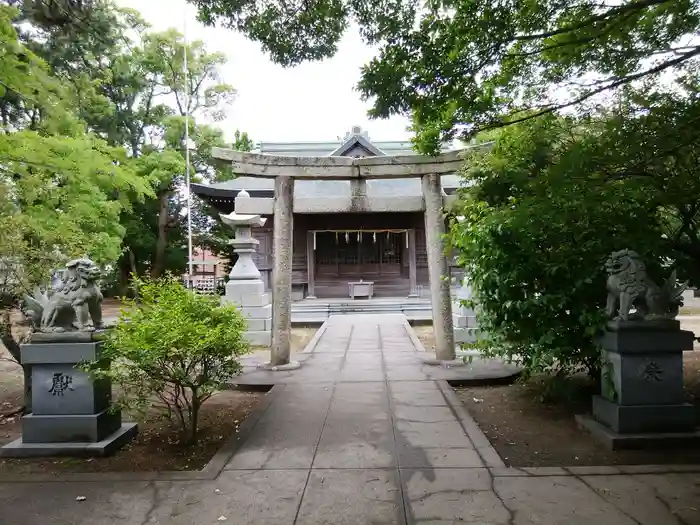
313	101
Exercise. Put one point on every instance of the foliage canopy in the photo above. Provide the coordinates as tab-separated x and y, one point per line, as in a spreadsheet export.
175	346
125	84
62	188
92	160
553	198
460	66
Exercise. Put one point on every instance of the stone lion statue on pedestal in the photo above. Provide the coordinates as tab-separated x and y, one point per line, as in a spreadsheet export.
74	303
630	287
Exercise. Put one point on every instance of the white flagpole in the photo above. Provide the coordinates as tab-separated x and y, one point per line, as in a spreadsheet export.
190	272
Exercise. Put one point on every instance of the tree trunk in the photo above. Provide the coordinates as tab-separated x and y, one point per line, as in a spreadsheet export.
162	243
8	339
194	418
13	347
123	279
127	268
132	263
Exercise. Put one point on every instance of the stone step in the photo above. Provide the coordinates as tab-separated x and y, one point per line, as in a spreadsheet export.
318	311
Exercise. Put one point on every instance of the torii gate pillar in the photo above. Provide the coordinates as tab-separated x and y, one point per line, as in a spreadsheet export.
440	297
283	235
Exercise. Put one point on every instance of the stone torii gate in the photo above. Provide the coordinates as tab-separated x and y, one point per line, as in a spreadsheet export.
284	170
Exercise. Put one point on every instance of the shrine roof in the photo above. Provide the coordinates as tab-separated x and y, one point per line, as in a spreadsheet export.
323	188
320	149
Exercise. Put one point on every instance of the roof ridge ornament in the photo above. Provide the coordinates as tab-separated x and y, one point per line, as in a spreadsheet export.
355	131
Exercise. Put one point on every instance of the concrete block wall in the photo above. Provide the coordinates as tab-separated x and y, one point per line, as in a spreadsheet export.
464	318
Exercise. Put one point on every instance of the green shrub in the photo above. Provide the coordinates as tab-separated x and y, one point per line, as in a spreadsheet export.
537	225
173	345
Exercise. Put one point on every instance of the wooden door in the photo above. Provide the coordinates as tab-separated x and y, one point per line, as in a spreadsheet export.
368	247
263	256
390	254
326	255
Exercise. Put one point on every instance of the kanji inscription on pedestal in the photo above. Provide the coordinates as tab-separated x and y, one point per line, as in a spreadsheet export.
60	383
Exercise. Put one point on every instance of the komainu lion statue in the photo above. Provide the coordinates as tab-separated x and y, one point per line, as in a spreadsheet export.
74	301
630	287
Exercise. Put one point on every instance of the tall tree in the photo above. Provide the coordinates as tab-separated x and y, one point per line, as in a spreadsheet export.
210	232
555	196
201	94
62	188
537	223
131	89
63	15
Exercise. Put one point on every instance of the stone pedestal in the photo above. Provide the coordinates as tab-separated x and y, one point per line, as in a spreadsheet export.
642	403
361	289
245	287
255	306
71	413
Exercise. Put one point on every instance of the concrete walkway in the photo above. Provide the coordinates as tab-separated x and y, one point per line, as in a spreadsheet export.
369	348
372	445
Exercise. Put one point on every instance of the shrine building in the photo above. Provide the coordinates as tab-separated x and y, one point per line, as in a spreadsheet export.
344	231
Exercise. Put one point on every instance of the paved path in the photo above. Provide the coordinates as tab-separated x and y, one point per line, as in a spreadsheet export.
369	348
387	449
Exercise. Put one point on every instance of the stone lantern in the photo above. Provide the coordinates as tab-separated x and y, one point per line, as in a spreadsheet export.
245	287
